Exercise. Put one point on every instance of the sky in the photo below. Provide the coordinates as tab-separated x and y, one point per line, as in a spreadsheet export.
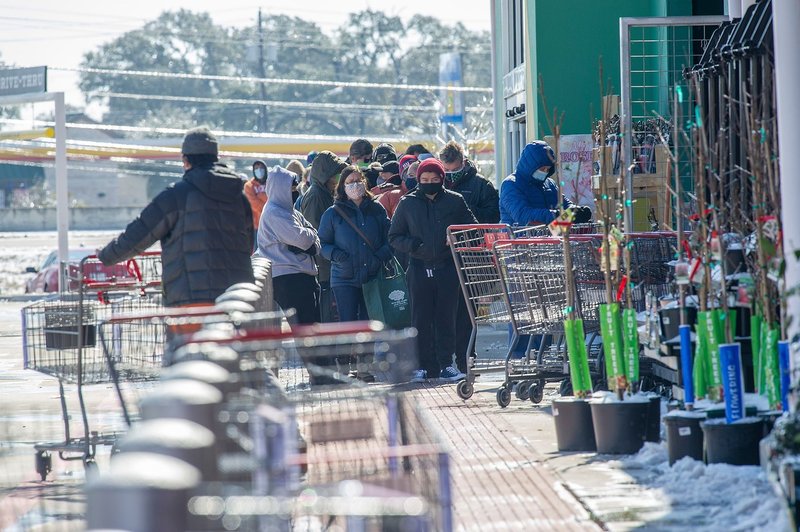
57	33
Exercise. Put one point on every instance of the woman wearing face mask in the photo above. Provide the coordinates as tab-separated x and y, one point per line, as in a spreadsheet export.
529	196
356	255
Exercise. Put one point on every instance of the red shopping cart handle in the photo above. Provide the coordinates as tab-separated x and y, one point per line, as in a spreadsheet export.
466	227
178	312
541	240
310	331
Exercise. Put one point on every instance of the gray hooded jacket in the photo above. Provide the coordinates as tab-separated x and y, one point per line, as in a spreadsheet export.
282	226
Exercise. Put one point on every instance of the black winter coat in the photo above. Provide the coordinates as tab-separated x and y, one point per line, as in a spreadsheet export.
479	193
419	225
205	226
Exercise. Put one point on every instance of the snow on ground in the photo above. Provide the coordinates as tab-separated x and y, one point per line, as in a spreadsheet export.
707	497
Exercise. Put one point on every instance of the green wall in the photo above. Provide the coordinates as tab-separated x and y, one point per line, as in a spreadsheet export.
569	38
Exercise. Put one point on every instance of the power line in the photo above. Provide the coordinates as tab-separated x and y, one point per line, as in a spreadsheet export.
272	103
284	81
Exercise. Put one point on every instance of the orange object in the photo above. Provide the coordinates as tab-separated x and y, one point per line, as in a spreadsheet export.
254	191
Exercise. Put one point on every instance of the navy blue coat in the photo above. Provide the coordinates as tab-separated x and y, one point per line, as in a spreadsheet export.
524	200
352	261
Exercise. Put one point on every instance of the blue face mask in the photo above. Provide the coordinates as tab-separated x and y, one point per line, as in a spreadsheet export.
540	176
411	183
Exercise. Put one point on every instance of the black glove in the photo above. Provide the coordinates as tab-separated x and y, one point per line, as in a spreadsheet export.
583	214
310	251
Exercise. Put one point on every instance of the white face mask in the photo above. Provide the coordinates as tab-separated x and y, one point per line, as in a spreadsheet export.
538	175
260	173
355	190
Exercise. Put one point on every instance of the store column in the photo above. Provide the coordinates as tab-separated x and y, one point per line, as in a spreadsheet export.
786	20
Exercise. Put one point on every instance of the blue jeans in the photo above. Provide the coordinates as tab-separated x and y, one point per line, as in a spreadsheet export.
350	302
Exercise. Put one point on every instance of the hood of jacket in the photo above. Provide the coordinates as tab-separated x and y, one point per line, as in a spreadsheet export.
279	187
535	155
217	182
326	165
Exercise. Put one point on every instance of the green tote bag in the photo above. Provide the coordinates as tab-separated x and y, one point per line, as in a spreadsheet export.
386	296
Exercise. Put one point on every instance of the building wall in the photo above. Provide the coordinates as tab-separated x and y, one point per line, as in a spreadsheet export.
79	218
565	41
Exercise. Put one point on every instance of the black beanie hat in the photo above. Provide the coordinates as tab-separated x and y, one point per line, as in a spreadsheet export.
200	141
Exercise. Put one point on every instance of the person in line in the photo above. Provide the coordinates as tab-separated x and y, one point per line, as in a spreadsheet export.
529	196
360	153
356	253
389	193
297	168
254	190
287	239
324	178
462	176
417	150
204	223
419	229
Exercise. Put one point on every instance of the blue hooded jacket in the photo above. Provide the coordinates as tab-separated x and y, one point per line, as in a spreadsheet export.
524	200
353	262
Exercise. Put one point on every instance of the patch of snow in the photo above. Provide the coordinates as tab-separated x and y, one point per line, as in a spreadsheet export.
604	397
709	497
688	414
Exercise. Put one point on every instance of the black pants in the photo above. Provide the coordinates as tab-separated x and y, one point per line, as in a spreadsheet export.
299	291
434	302
463	332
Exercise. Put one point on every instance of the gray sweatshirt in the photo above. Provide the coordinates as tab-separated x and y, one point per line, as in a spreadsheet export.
282	226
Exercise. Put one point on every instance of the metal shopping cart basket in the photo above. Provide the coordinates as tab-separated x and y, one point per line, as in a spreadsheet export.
534	283
338	453
60	340
479	277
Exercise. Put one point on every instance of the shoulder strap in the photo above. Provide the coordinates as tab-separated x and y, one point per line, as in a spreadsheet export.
354	226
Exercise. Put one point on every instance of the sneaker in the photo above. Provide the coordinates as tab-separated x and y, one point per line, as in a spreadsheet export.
451	374
419	376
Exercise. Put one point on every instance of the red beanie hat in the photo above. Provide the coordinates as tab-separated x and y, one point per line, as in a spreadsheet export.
406	161
431	165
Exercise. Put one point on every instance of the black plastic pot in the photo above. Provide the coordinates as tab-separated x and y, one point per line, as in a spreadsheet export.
653	431
620	428
769	418
734	443
574	430
684	437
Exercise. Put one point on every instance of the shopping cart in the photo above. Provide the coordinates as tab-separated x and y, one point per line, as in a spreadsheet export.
478	274
60	340
343	453
534	282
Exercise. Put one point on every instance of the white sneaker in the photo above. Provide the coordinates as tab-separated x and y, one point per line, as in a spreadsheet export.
419	376
451	374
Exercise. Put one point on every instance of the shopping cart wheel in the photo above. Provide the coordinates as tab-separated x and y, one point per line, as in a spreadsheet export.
536	392
523	387
464	389
44	464
503	397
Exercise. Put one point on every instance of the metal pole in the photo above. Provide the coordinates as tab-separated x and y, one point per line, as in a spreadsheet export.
62	196
786	20
625	123
262	71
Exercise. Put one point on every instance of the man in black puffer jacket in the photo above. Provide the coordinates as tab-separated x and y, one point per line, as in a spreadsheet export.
205	226
461	176
419	229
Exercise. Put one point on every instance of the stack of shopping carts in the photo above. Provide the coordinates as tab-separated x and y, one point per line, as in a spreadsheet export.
517	277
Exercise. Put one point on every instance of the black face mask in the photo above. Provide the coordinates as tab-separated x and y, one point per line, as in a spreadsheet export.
295	195
430	189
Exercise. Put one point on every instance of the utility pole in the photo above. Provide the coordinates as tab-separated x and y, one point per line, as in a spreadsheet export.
262	72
